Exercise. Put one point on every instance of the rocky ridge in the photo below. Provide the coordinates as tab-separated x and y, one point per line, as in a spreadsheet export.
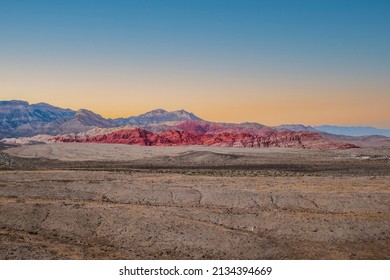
263	138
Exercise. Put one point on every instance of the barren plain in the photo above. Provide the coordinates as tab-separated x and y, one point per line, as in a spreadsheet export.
107	201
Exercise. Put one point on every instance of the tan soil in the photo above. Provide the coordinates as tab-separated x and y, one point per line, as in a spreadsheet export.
193	203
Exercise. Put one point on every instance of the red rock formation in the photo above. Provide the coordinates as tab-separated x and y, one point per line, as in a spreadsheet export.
264	138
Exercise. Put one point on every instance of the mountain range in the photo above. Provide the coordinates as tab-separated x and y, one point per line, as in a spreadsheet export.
338	130
159	127
353	130
20	119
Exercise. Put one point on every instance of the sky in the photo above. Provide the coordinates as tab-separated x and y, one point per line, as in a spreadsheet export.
273	62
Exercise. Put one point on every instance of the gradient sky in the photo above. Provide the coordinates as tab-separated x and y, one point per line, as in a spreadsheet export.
269	61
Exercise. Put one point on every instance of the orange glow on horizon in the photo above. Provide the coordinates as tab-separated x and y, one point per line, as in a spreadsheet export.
270	110
270	101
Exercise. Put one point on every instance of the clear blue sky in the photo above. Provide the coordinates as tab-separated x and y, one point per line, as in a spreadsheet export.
315	61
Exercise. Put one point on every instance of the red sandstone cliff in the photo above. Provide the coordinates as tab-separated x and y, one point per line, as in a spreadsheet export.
202	135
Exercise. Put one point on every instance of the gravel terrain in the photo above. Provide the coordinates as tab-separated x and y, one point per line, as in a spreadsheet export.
105	201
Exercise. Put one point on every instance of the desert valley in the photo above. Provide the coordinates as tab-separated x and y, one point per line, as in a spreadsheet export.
169	185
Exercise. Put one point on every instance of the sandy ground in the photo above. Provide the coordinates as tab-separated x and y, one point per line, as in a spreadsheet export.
128	202
119	152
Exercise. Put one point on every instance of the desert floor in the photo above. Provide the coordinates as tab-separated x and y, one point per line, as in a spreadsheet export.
106	201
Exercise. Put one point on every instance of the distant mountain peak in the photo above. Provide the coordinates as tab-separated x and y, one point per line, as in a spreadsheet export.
155	112
90	119
19	118
14	103
43	104
158	116
183	112
85	112
295	127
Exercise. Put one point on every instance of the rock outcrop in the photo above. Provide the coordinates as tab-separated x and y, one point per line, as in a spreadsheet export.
267	138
